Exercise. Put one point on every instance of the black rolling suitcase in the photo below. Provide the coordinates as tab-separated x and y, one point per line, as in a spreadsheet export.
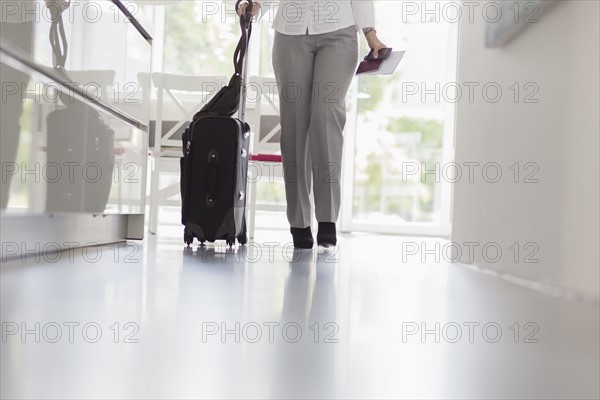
214	167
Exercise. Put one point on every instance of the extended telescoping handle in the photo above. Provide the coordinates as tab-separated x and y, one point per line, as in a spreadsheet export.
245	23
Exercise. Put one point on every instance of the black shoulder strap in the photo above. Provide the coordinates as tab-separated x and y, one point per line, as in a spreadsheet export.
246	26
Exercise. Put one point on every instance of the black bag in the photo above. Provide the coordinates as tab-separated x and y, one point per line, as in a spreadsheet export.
214	167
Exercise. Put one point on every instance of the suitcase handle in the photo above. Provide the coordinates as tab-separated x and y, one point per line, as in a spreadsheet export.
213	172
242	46
248	15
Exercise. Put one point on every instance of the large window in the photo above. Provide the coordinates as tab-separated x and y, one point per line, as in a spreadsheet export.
403	129
201	35
199	39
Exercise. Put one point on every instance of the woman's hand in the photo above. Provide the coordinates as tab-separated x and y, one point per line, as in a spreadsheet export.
61	5
243	6
374	43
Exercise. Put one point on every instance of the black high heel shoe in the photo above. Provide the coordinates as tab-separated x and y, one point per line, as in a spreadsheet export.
327	236
303	238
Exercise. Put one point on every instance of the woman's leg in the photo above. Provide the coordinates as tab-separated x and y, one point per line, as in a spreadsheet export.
335	66
293	62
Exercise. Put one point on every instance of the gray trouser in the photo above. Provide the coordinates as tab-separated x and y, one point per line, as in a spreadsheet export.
313	74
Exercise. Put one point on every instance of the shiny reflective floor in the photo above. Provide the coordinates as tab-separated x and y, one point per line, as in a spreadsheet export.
156	320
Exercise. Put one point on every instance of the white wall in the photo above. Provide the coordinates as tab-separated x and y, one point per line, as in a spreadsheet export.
560	134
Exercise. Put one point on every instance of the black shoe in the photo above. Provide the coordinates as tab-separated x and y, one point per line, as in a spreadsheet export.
303	238
327	234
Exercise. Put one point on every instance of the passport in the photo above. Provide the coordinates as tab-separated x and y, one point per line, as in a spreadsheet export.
369	66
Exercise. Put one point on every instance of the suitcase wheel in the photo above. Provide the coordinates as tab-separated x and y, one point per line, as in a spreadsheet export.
230	240
188	238
242	239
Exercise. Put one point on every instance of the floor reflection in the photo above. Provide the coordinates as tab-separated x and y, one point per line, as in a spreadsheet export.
307	368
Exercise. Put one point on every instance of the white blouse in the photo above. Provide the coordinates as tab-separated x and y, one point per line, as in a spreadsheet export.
297	17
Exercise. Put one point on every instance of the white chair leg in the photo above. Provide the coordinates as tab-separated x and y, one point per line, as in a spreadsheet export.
153	222
251	209
156	160
313	214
